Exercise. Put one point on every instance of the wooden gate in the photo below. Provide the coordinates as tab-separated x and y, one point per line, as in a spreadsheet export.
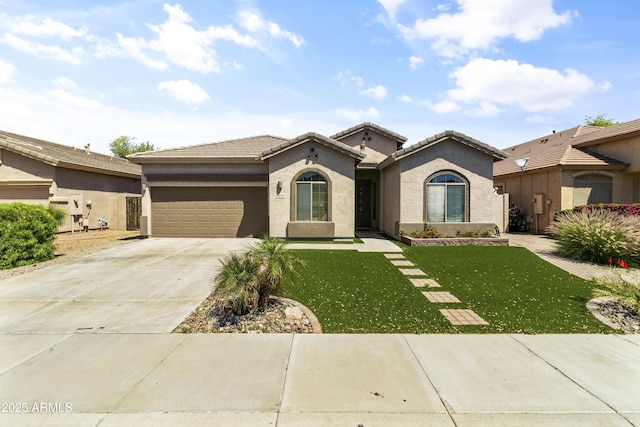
134	211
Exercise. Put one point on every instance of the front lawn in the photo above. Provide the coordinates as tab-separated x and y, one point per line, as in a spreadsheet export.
511	288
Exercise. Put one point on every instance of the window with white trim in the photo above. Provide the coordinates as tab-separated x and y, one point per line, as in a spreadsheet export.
446	198
312	197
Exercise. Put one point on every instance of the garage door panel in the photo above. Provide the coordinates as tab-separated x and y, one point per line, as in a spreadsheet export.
209	212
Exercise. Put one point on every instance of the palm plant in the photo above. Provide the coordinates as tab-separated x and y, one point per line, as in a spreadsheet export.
276	262
237	281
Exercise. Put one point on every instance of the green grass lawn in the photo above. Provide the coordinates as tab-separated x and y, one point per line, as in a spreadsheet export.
511	288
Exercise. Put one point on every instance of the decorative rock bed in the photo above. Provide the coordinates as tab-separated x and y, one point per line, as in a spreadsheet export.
455	241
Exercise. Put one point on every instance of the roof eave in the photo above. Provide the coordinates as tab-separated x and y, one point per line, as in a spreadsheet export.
85	168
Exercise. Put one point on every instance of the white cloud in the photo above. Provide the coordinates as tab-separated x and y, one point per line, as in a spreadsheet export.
487	109
480	24
75	101
65	82
391	6
358	115
181	44
405	98
346	76
510	83
415	62
43	50
375	92
47	27
537	118
445	107
7	71
251	21
184	91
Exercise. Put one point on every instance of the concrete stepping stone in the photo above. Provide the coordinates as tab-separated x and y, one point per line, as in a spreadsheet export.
462	317
421	283
402	263
393	256
440	297
412	272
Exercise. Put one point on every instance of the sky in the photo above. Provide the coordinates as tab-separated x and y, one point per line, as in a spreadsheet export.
192	71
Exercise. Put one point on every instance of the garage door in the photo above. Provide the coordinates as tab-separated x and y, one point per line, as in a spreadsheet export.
208	211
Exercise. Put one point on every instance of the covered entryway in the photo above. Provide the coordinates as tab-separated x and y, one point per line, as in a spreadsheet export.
209	211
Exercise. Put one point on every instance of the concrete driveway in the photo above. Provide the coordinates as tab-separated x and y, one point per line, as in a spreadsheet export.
143	286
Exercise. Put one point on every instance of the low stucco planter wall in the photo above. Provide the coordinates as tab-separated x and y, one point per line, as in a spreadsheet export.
456	241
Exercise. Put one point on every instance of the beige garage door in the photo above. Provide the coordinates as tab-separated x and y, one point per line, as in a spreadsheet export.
208	211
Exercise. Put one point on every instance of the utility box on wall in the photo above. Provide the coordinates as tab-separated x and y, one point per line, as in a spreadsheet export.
538	204
76	205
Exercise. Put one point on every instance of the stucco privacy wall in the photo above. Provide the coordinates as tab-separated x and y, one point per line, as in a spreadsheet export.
287	166
179	175
390	178
475	166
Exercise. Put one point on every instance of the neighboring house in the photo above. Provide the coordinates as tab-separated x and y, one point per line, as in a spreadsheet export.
315	186
573	167
85	185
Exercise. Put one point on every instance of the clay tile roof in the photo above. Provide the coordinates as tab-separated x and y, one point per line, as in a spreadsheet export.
443	136
556	149
369	126
620	130
65	156
244	148
311	136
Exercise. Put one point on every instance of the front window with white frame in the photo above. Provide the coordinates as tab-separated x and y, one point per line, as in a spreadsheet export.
312	197
446	198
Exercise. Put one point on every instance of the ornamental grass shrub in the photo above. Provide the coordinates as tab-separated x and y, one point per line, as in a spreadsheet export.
614	286
598	236
27	233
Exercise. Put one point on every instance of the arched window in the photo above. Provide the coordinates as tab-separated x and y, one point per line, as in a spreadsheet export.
312	197
446	198
592	188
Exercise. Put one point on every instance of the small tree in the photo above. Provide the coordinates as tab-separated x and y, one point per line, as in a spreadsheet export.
125	145
600	120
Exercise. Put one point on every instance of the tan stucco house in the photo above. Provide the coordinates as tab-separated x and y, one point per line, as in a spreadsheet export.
86	185
314	186
584	164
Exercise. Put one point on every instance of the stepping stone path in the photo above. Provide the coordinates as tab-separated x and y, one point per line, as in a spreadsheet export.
454	316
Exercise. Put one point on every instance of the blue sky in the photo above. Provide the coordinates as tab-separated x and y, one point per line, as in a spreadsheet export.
190	72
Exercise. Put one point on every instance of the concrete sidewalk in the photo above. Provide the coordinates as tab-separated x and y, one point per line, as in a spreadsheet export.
294	380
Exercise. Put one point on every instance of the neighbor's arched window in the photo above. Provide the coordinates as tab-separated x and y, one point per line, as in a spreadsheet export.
312	197
592	188
446	198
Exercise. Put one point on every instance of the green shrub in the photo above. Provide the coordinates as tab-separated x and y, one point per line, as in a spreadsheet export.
598	235
473	233
429	232
27	233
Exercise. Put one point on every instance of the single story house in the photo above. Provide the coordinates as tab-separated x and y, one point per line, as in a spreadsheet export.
584	164
314	186
87	186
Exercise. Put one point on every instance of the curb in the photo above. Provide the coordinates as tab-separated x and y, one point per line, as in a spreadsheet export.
313	320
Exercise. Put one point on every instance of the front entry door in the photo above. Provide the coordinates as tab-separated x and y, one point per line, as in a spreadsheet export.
363	203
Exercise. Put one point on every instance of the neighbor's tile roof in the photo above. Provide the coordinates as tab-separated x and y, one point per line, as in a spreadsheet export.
65	156
557	149
312	136
444	136
369	126
243	148
620	130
